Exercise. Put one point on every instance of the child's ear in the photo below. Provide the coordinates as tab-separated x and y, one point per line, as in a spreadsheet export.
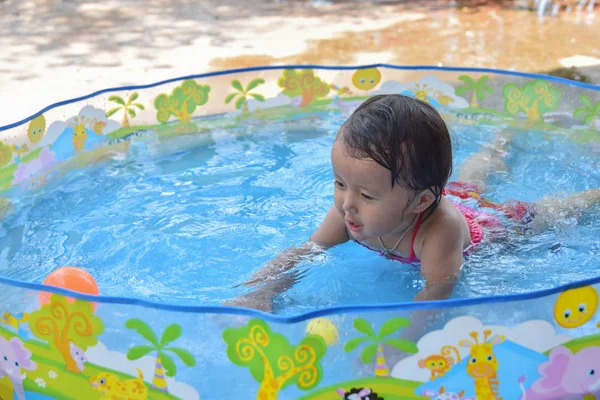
424	200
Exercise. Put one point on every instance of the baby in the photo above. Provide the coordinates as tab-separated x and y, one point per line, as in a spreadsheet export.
391	163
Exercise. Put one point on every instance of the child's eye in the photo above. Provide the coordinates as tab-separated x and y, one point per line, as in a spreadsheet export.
367	197
338	184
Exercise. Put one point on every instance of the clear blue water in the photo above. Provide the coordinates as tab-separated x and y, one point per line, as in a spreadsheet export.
183	220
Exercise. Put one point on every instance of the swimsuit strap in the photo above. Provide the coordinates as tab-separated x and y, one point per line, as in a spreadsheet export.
412	243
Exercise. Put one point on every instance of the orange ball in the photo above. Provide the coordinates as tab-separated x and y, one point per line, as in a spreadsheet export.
71	278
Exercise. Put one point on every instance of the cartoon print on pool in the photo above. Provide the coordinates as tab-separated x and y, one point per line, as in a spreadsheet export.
479	89
482	365
113	388
78	355
128	109
375	341
13	358
359	394
566	375
164	365
366	79
303	83
444	395
17	322
272	360
36	129
61	323
439	364
575	307
80	135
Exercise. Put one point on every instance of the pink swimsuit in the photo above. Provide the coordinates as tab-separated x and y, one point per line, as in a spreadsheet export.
412	258
519	211
474	228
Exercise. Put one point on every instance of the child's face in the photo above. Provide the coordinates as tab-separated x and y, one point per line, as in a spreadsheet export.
365	198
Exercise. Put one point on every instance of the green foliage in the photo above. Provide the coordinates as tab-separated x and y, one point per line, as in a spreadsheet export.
391	326
258	97
304	84
143	330
182	102
402	345
479	89
369	353
5	154
244	93
230	97
137	352
354	343
533	99
240	102
184	355
468	86
112	111
170	334
237	85
589	112
247	345
254	83
375	339
128	108
318	346
363	326
117	99
168	364
61	321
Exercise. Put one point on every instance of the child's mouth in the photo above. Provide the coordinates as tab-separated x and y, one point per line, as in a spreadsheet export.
353	227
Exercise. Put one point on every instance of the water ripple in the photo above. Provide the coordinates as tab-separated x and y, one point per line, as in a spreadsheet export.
183	221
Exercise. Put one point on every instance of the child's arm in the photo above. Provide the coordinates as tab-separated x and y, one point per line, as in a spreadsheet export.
285	261
441	261
331	232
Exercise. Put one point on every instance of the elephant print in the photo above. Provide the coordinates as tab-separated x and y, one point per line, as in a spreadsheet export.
13	358
566	375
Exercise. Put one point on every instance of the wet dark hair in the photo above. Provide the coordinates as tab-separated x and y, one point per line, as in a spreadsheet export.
406	136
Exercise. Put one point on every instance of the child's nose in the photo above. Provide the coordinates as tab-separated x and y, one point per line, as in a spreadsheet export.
349	203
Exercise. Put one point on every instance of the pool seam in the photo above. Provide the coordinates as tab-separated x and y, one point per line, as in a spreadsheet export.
402	306
306	66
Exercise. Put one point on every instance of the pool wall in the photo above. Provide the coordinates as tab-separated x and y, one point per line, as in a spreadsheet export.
545	343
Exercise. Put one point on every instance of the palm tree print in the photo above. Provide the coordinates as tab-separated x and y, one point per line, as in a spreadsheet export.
128	108
242	101
479	88
163	360
590	112
375	340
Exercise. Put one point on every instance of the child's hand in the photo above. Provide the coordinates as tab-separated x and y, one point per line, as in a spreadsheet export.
285	262
259	300
262	298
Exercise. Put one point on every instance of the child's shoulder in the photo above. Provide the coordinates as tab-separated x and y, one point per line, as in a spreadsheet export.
445	221
445	216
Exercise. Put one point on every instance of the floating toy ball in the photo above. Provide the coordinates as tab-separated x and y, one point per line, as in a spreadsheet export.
71	278
324	328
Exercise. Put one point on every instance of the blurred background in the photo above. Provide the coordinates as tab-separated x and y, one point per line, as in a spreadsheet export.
52	50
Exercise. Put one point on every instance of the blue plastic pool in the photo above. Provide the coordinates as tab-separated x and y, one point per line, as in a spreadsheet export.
171	194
